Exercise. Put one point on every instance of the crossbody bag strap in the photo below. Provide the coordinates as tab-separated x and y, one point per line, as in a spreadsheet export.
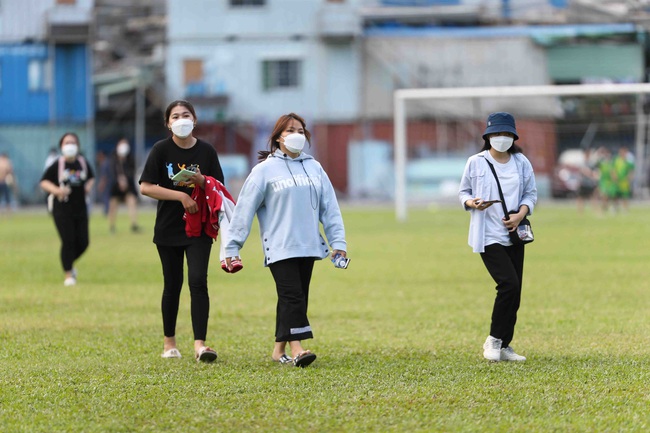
82	162
61	168
503	200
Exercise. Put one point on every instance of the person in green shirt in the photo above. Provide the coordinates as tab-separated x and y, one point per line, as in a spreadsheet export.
624	173
606	180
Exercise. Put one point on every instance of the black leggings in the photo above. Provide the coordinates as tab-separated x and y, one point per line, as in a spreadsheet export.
73	231
506	266
198	257
292	278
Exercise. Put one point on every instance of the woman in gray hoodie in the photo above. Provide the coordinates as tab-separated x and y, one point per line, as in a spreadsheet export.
291	195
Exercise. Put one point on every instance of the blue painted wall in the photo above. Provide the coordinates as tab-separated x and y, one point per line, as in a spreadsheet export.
29	122
71	85
72	81
20	104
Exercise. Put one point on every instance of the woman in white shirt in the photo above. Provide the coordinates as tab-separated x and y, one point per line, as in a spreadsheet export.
488	231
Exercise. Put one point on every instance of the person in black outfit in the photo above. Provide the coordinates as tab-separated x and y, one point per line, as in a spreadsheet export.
122	187
69	180
167	157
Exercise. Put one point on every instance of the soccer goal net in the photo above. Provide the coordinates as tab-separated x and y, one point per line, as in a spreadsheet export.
559	126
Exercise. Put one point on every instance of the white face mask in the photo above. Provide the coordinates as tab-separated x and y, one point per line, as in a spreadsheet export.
294	142
182	128
123	149
69	150
501	143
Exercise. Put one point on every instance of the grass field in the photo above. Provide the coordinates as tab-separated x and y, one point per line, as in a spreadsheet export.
398	334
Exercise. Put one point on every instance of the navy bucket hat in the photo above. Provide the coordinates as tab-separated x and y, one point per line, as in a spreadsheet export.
500	122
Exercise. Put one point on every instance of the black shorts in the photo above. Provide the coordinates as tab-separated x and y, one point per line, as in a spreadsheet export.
116	192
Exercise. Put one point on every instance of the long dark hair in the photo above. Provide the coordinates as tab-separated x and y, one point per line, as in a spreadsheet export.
279	127
182	103
73	135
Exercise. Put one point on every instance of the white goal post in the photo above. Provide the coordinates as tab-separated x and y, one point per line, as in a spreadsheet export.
402	96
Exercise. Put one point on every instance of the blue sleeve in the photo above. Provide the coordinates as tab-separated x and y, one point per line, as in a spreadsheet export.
529	196
249	201
465	191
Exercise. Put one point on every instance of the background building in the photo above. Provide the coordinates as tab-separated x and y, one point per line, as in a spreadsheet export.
45	83
245	62
108	68
129	82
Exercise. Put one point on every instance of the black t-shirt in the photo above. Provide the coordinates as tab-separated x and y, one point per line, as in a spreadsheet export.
74	176
164	161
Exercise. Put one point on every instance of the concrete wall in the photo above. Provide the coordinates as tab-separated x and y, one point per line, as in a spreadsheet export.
234	42
393	62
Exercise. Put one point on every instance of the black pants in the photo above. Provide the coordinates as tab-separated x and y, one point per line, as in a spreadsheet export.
292	278
506	266
198	257
73	231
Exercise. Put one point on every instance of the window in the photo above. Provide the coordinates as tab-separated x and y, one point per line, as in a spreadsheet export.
192	70
193	77
280	74
247	2
38	75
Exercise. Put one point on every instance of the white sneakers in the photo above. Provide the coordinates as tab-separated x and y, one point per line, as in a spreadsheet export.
71	281
508	354
493	351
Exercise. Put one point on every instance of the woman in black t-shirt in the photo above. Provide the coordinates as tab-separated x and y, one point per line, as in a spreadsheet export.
68	180
167	157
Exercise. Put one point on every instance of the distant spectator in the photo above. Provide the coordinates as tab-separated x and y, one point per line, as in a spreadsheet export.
102	162
122	186
606	179
624	176
587	188
8	188
69	181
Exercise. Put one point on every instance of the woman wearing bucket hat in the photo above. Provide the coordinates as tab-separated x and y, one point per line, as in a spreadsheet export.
488	228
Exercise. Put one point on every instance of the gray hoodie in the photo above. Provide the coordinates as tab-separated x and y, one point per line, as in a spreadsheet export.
290	197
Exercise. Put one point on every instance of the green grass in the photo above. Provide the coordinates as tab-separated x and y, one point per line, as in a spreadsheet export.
398	334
